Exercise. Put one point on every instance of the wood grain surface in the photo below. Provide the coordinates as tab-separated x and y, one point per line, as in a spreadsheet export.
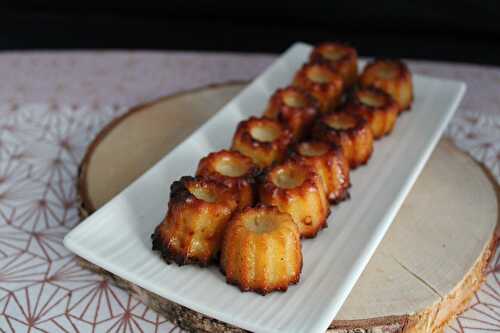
423	273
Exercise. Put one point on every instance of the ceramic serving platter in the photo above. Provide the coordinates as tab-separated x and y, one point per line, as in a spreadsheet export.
117	236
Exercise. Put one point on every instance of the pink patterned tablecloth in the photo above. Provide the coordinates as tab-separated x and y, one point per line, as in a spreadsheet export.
52	105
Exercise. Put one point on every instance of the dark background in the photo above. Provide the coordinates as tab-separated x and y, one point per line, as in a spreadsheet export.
461	30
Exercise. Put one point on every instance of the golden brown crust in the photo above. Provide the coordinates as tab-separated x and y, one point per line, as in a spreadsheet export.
393	77
321	81
342	58
234	170
198	211
295	188
350	131
295	108
330	164
249	140
256	240
377	107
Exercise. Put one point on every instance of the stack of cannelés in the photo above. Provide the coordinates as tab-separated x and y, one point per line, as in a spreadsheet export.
248	208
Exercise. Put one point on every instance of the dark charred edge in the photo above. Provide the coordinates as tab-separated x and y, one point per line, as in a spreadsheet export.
252	175
253	181
260	179
362	163
348	91
87	207
388	133
350	94
178	190
170	256
344	195
408	108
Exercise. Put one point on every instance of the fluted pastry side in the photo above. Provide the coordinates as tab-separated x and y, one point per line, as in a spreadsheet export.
295	108
321	81
393	77
341	57
330	164
234	170
377	107
261	250
198	211
296	189
349	131
264	140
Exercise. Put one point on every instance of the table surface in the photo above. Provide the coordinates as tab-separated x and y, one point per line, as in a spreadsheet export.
53	104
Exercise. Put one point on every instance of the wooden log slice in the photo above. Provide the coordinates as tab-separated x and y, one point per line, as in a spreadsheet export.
423	273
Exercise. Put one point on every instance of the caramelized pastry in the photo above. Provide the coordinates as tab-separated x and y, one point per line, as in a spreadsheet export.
264	140
295	108
234	170
350	131
342	58
377	107
321	81
261	250
296	189
393	77
329	163
197	214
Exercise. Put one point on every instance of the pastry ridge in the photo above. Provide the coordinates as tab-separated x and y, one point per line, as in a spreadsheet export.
377	107
261	250
393	77
304	198
350	131
263	153
192	228
342	58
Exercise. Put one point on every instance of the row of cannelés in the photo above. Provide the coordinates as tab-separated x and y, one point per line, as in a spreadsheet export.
248	208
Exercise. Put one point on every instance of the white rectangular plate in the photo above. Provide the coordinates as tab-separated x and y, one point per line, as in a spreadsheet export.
117	236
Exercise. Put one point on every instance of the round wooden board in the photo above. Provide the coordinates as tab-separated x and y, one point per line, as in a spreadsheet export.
423	273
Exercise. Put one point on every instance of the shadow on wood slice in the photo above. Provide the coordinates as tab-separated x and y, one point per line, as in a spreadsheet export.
423	273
